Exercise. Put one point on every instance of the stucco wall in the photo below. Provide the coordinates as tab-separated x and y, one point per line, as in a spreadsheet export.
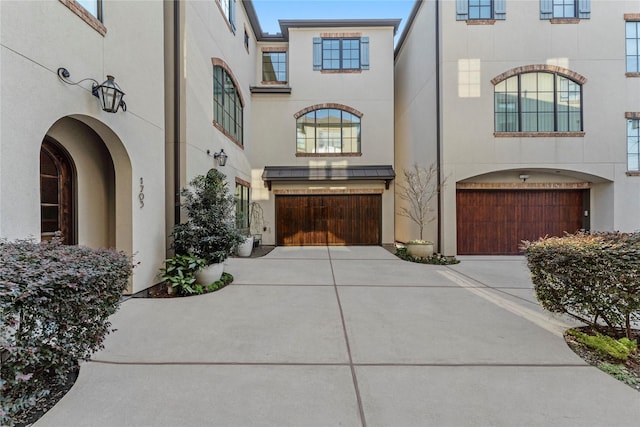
415	111
273	126
472	55
33	99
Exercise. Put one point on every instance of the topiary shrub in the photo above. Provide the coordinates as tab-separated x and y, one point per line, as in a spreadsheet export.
592	277
55	301
209	231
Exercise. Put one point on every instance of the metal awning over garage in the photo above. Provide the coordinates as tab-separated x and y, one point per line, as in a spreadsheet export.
328	173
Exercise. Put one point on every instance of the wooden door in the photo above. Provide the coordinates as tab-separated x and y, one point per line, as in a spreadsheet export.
56	193
329	219
495	222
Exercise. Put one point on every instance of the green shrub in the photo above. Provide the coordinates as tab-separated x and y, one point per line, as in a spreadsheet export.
437	259
209	230
605	345
55	301
179	272
592	277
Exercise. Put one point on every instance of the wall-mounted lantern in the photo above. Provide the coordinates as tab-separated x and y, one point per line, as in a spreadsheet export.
220	157
109	93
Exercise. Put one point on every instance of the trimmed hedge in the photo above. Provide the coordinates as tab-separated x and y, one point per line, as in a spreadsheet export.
54	302
592	277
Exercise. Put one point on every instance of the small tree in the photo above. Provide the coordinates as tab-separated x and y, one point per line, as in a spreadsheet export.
209	231
419	188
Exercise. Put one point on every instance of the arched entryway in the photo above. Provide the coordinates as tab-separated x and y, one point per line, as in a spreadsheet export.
57	193
95	191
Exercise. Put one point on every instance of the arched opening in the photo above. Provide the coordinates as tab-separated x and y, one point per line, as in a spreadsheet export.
57	193
101	180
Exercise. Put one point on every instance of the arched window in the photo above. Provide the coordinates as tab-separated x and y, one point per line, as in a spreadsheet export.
56	193
538	102
328	130
227	104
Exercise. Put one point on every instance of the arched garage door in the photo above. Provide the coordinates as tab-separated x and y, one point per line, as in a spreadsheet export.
494	222
349	219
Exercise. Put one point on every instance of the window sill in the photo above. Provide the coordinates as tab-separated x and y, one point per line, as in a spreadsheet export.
633	173
328	154
85	16
481	21
565	20
538	134
286	90
341	71
632	74
227	134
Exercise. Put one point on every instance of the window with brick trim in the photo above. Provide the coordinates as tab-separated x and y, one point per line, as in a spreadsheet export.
632	30
565	9
242	206
229	10
274	67
538	102
336	53
633	145
328	130
227	105
94	7
469	10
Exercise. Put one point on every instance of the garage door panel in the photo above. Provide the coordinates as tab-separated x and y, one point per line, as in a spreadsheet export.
494	222
329	220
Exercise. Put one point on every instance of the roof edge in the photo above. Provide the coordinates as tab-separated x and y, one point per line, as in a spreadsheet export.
405	31
285	24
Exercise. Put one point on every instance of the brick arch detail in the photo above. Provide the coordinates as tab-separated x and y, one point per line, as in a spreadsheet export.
328	105
540	67
220	63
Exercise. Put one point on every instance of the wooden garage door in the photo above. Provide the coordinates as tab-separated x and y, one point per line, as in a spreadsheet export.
353	219
494	222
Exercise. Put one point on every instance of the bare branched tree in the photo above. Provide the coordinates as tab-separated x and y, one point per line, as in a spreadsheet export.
419	188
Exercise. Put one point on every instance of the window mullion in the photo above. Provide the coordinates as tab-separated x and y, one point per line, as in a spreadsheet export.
555	102
519	106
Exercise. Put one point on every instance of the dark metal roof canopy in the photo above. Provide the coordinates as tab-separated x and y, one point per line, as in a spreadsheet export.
328	173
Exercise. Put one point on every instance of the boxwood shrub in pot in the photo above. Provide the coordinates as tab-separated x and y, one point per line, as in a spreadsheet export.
209	231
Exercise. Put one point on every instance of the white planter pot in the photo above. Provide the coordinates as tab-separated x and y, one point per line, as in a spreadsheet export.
244	249
209	274
420	251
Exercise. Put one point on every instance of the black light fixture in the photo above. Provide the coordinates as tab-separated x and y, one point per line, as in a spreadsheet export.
220	157
109	93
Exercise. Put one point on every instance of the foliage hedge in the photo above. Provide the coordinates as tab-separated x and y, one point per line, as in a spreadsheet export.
592	277
54	305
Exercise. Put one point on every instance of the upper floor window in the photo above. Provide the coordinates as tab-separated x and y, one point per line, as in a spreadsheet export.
94	7
563	9
229	9
538	102
633	46
480	9
633	144
328	130
341	53
274	67
227	104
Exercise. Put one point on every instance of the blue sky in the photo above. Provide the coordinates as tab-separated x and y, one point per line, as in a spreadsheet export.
269	11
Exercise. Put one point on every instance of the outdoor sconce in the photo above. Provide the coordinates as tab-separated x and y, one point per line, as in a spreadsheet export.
109	93
524	178
220	157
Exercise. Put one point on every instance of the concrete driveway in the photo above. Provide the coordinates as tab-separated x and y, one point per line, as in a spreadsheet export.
346	336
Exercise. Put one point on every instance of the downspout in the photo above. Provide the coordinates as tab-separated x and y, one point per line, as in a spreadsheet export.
438	131
176	110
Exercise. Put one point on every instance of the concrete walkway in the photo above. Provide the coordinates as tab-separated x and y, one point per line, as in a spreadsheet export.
345	336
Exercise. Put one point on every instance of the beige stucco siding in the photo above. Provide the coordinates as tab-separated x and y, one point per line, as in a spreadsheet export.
33	100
